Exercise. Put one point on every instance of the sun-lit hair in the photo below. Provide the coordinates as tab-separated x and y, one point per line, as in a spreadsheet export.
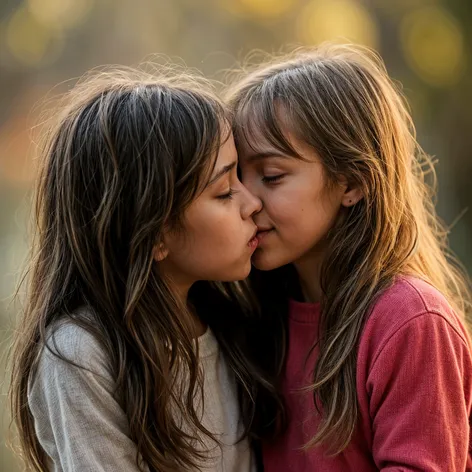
122	156
340	100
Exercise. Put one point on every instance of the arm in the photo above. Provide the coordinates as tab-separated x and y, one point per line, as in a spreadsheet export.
420	398
79	423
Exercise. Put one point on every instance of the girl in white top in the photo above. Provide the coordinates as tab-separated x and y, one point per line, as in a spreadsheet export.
138	198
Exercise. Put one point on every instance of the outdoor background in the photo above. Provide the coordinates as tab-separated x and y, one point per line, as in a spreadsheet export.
426	44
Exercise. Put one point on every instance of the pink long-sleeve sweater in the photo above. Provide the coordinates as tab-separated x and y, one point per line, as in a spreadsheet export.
414	389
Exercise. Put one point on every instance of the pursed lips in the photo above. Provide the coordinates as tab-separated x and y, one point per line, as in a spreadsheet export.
262	232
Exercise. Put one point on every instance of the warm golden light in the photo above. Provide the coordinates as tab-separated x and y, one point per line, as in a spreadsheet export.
60	13
348	20
260	8
27	40
433	45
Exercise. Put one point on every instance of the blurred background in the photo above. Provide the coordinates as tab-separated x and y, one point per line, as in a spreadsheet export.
426	44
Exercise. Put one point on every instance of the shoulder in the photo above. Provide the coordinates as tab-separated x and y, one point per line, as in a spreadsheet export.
73	341
70	351
410	304
407	299
79	418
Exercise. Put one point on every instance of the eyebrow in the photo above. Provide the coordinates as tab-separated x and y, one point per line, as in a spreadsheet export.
264	155
224	170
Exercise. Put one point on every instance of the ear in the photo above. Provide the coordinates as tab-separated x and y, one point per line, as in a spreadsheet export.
352	195
160	252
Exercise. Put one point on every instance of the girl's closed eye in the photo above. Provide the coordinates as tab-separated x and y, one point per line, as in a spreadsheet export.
272	179
228	195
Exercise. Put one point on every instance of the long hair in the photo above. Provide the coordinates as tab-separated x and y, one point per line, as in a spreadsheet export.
340	100
122	158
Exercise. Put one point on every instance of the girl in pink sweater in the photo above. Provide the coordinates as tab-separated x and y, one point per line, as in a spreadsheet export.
373	360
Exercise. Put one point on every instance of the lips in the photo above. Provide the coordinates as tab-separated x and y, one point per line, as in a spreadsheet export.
253	242
262	233
263	229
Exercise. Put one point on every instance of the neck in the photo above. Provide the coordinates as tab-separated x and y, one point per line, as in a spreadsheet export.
309	273
199	326
181	290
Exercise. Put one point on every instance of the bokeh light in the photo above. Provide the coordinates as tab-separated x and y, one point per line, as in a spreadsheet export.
323	20
433	45
44	44
30	42
400	6
259	8
60	13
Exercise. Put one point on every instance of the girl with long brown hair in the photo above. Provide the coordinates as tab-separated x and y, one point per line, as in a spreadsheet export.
364	305
138	203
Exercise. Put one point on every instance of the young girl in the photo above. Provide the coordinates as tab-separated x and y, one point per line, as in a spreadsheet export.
376	367
138	198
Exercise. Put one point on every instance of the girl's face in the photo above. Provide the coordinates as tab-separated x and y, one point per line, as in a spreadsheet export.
299	208
218	238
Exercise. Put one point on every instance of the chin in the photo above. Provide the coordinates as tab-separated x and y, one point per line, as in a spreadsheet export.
240	274
264	263
246	271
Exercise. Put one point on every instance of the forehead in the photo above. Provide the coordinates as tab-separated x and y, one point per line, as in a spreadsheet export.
258	147
214	159
262	129
251	142
227	153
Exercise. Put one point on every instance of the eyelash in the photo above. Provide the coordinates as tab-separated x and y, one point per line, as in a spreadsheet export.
227	196
272	179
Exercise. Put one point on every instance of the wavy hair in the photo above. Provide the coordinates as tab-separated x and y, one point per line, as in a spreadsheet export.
340	100
123	155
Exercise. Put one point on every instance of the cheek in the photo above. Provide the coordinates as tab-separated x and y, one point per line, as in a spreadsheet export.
286	204
216	247
203	231
213	231
300	213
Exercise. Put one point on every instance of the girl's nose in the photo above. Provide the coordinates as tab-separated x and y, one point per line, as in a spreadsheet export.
251	204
